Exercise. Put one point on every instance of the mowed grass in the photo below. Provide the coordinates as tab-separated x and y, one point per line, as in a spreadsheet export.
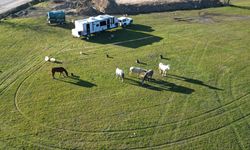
202	104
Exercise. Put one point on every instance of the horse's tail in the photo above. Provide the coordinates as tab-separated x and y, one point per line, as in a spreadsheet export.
123	76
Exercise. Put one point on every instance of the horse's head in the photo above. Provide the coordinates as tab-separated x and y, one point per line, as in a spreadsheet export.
168	67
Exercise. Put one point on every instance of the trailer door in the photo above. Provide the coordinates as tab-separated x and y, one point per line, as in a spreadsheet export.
88	29
108	23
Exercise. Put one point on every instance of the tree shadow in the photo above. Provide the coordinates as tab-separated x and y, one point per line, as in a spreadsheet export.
193	81
77	81
123	37
161	85
241	7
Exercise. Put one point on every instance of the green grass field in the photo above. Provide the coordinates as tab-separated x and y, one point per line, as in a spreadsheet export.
203	103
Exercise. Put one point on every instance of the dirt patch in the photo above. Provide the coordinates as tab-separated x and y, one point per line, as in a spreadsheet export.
208	17
145	6
95	7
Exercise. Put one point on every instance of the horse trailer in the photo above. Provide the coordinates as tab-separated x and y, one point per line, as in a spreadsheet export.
91	25
57	17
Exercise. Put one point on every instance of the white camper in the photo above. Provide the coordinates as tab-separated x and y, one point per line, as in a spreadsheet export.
91	25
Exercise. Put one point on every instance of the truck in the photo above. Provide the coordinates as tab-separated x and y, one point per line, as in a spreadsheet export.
124	21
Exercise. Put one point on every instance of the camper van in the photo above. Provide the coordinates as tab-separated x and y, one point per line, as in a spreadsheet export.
91	25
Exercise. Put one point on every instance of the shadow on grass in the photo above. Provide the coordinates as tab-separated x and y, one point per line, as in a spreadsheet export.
140	27
23	26
67	25
193	81
77	81
142	63
165	58
124	37
241	7
160	85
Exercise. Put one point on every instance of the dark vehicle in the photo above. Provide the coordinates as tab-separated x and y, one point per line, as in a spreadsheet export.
56	17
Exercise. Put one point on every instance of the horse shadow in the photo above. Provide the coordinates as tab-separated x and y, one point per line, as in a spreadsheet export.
161	85
77	81
193	81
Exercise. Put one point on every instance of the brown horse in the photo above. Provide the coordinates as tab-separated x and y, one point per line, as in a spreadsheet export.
60	70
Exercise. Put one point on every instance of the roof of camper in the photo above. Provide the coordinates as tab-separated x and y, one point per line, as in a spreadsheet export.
94	19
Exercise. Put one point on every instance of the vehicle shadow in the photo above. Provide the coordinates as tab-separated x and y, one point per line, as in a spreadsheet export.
140	27
67	25
193	81
161	85
123	37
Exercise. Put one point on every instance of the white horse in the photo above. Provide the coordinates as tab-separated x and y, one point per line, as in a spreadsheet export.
119	73
163	69
137	70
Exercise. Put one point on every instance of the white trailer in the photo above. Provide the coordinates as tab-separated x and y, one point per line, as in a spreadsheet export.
91	25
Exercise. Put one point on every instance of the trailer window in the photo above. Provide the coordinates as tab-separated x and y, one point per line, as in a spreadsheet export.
103	23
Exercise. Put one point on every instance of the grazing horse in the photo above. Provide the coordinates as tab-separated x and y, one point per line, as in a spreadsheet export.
163	69
119	73
136	70
60	70
148	75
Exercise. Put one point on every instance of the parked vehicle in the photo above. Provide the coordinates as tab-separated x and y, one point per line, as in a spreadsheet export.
56	17
91	25
124	21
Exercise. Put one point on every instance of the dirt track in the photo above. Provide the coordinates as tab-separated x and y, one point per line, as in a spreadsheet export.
145	6
6	5
145	1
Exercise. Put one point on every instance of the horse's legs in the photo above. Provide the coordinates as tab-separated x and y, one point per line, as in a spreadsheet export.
53	75
63	74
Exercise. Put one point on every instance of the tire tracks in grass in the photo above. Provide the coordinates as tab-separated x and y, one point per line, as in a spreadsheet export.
187	98
161	119
175	122
237	134
90	131
194	137
16	72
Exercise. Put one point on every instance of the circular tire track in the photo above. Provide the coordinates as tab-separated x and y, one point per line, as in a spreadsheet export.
94	131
